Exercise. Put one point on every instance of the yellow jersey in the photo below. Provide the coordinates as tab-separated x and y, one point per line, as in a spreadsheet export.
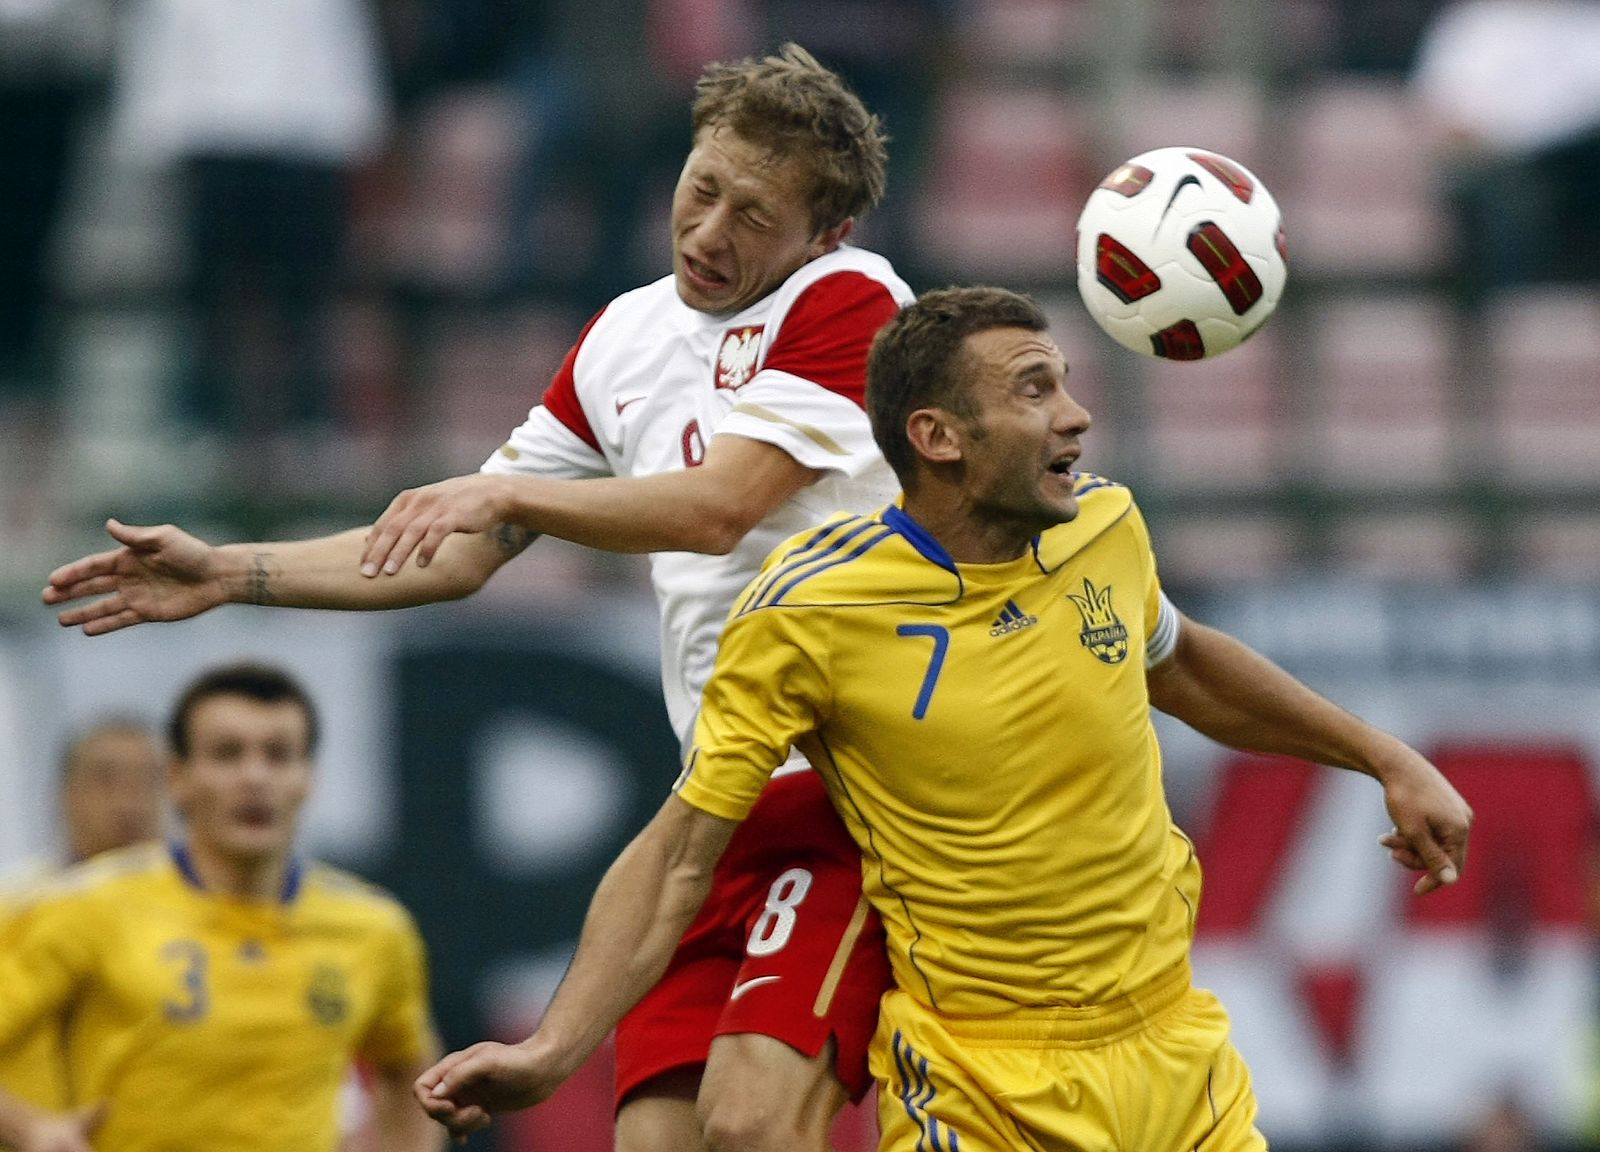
984	731
209	1023
32	1066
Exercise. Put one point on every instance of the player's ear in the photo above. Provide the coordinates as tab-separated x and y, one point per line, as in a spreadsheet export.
935	435
830	238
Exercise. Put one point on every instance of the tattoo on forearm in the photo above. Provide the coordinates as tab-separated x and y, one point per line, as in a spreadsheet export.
511	538
261	579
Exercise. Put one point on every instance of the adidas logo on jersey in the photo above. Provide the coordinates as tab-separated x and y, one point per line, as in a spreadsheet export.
1011	619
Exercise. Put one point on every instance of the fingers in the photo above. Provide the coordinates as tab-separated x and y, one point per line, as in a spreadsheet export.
469	1120
393	537
437	1088
63	580
116	622
97	585
435	536
1423	852
133	535
95	614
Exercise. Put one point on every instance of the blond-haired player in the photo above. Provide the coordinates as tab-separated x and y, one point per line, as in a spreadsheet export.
701	418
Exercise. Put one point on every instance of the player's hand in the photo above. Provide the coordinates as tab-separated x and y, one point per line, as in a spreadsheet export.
160	573
466	1089
65	1132
1431	820
419	519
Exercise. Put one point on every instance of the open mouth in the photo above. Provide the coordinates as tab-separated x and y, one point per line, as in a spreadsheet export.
703	273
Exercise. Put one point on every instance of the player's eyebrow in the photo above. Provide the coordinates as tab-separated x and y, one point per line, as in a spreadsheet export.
1038	367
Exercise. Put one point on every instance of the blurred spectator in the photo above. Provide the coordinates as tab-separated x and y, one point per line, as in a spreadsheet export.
1515	88
266	109
603	89
891	52
52	58
1379	36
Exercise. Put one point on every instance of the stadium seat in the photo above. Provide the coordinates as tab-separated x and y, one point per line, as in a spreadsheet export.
450	230
1008	173
1420	546
1220	115
1007	33
1218	424
1544	349
1223	549
1358	188
1381	409
485	373
1558	546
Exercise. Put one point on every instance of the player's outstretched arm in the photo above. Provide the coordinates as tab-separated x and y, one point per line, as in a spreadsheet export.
163	573
641	909
708	508
1227	690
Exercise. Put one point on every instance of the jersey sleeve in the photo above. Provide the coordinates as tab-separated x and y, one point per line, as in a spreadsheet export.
1160	614
808	396
768	689
402	1026
557	439
49	947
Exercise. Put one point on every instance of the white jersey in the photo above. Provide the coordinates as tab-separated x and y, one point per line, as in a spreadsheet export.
651	380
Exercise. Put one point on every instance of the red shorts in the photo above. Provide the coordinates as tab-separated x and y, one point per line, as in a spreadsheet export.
785	946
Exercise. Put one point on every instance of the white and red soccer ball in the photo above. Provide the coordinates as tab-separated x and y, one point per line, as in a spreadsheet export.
1181	253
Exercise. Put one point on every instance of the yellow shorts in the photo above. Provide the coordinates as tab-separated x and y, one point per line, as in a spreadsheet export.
1152	1072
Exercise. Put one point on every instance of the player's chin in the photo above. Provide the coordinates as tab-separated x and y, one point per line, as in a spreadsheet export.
1057	498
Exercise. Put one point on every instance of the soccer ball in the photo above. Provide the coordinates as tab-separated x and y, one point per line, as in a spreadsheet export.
1181	253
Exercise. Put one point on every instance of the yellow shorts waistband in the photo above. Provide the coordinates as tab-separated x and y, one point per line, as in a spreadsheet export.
1087	1025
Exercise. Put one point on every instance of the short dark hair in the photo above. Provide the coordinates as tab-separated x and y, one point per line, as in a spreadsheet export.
796	107
918	356
262	683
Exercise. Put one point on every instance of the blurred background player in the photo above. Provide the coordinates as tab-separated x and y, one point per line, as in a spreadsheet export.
111	788
110	796
701	418
213	993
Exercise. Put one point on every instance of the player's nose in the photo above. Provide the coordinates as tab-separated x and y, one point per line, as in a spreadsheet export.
1067	416
710	231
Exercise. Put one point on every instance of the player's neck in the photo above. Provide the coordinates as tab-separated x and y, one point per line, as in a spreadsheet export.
245	878
969	537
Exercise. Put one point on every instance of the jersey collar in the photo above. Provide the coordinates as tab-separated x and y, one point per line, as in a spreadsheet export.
181	859
922	540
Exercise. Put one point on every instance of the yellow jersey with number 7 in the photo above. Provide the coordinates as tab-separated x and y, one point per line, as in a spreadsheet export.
984	731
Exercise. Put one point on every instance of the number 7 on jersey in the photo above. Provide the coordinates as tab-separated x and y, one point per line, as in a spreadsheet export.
941	643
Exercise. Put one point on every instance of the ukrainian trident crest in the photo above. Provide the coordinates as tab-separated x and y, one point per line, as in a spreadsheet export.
1103	634
328	997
